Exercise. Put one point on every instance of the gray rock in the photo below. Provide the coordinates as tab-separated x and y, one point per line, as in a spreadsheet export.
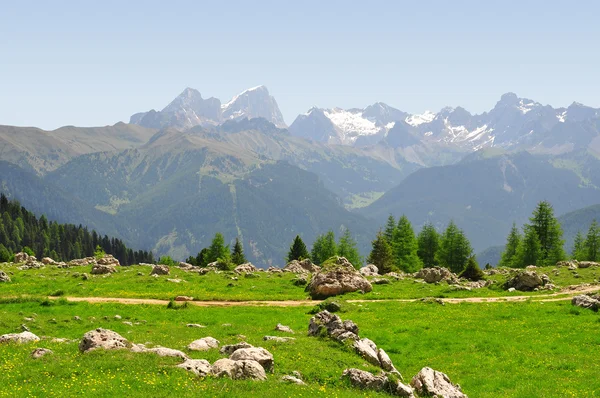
248	369
4	277
203	344
429	382
102	338
524	281
368	350
245	268
195	325
333	326
40	352
437	274
160	269
292	380
336	279
19	338
283	328
258	354
100	269
231	348
160	351
278	339
369	270
200	367
223	367
585	301
301	267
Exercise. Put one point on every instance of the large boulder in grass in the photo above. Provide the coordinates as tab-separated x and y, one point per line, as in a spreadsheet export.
584	301
203	344
524	281
588	264
333	326
301	267
368	381
248	369
4	277
258	354
223	367
108	259
19	338
231	348
82	262
21	257
200	367
102	269
436	274
431	383
369	270
160	269
245	268
337	276
104	339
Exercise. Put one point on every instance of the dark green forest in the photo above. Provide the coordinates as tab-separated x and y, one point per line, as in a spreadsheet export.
21	229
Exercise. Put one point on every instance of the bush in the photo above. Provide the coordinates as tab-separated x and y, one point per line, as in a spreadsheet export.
58	293
28	251
175	306
167	260
224	264
472	271
99	253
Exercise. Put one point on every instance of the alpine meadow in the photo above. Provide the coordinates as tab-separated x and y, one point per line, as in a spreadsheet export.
400	213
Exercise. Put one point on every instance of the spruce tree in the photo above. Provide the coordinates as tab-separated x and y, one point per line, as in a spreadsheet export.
404	247
324	248
549	234
455	249
530	249
509	255
217	249
237	254
390	227
579	248
347	248
298	250
472	271
381	254
428	243
592	242
202	258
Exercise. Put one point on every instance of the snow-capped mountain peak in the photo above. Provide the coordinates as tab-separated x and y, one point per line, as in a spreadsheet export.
416	120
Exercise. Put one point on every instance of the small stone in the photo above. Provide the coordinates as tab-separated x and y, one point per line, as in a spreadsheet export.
283	328
40	352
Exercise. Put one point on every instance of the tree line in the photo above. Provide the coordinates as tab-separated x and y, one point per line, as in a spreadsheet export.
540	241
21	230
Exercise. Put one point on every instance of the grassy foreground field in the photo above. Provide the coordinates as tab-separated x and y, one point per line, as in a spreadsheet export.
528	349
136	282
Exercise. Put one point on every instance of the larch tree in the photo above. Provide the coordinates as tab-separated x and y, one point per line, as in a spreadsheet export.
347	248
530	249
428	243
381	254
404	247
324	248
549	234
455	249
217	249
509	255
579	251
390	227
592	242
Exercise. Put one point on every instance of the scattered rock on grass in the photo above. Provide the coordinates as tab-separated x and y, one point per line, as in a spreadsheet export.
368	381
248	369
200	367
4	277
258	354
203	344
223	367
195	325
160	270
278	339
231	348
40	352
19	338
437	274
337	278
429	382
369	270
524	281
283	328
102	338
292	380
586	301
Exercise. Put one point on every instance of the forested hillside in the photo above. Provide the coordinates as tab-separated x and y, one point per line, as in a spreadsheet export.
22	230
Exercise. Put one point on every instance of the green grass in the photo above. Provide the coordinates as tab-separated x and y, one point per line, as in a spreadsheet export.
528	349
128	284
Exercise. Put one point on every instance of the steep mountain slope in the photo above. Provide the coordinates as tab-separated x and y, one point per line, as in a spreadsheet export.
485	195
42	151
578	220
189	109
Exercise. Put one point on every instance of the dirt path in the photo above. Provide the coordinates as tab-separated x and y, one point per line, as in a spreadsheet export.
560	296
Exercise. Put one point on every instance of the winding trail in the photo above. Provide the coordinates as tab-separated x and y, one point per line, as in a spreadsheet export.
559	296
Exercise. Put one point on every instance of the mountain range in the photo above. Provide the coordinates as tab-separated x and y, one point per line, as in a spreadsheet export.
170	179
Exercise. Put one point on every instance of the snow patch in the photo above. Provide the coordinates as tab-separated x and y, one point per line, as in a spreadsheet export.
526	107
351	122
235	98
416	120
390	125
561	118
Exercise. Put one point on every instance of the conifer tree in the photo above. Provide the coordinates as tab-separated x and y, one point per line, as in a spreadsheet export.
549	234
428	243
592	242
202	258
530	250
237	254
217	249
390	227
381	254
455	249
404	247
347	248
472	271
509	255
324	248
579	248
298	250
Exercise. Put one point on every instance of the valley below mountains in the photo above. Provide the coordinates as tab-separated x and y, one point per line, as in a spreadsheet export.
170	179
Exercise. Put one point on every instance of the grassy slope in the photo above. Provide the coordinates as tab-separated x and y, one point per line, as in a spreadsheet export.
492	350
127	283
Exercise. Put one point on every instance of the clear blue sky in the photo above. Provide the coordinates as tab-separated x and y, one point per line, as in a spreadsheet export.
95	63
